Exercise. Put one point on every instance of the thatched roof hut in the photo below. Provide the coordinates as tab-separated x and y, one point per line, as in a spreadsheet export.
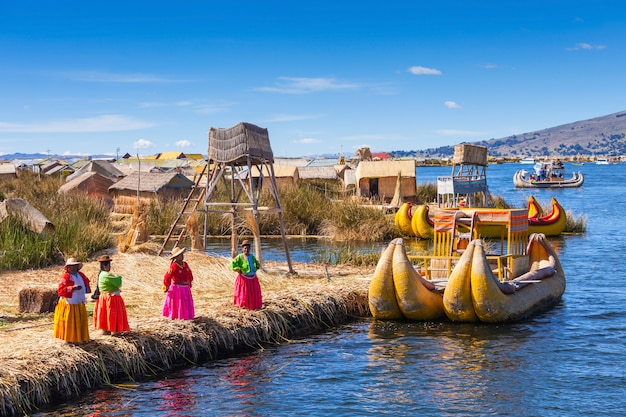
313	173
102	168
378	178
8	171
285	175
144	187
152	184
238	143
91	183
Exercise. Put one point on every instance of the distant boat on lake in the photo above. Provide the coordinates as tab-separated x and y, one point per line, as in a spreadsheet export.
527	161
602	161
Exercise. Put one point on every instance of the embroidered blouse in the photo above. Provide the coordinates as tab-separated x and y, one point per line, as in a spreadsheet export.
179	275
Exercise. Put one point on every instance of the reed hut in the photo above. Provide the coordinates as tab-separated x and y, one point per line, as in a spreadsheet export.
149	186
378	179
8	171
91	184
102	168
285	175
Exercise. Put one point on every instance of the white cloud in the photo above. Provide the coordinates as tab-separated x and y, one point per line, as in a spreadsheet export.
585	46
307	141
104	123
300	85
142	144
451	105
424	71
184	143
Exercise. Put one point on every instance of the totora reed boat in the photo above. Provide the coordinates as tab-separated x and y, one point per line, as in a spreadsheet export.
468	279
418	220
547	175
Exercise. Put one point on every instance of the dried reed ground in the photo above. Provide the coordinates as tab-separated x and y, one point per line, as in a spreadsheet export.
38	369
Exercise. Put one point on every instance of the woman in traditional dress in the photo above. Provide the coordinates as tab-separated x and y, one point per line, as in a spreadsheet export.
70	314
177	286
247	287
109	314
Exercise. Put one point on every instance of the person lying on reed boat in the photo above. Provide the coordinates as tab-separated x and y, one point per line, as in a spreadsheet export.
247	287
70	313
109	314
177	286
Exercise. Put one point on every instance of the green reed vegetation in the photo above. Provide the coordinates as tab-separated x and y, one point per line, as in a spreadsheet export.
82	224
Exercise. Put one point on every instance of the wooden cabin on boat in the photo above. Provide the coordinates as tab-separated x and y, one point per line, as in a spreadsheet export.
505	230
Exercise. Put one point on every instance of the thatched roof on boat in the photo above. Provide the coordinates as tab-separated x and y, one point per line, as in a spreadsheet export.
154	182
236	144
470	154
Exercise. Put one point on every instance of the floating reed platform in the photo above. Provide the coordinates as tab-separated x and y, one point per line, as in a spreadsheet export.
42	371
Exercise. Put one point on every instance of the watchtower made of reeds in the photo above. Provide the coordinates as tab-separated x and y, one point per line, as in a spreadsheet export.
468	183
234	154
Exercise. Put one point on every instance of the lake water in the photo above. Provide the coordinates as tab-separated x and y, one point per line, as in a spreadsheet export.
569	361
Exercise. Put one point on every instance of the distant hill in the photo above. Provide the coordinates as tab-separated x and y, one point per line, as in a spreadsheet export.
34	156
605	135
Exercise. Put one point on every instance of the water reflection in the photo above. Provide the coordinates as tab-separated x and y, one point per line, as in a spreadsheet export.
177	396
453	366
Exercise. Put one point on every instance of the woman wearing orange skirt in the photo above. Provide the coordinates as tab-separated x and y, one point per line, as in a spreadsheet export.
247	287
109	314
70	313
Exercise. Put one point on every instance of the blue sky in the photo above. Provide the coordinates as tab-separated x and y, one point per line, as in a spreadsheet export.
325	77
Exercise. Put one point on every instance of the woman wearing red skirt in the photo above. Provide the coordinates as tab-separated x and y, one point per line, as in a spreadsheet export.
109	314
247	287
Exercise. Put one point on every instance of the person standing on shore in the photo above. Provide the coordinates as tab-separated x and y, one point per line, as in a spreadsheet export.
109	314
70	313
247	287
177	286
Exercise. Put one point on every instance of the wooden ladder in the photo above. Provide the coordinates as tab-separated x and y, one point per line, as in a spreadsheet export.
178	231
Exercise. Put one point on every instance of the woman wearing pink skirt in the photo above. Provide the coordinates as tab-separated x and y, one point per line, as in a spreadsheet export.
247	287
177	286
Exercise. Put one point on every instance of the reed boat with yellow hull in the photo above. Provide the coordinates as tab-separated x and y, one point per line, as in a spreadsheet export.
421	221
398	291
453	281
474	293
551	224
